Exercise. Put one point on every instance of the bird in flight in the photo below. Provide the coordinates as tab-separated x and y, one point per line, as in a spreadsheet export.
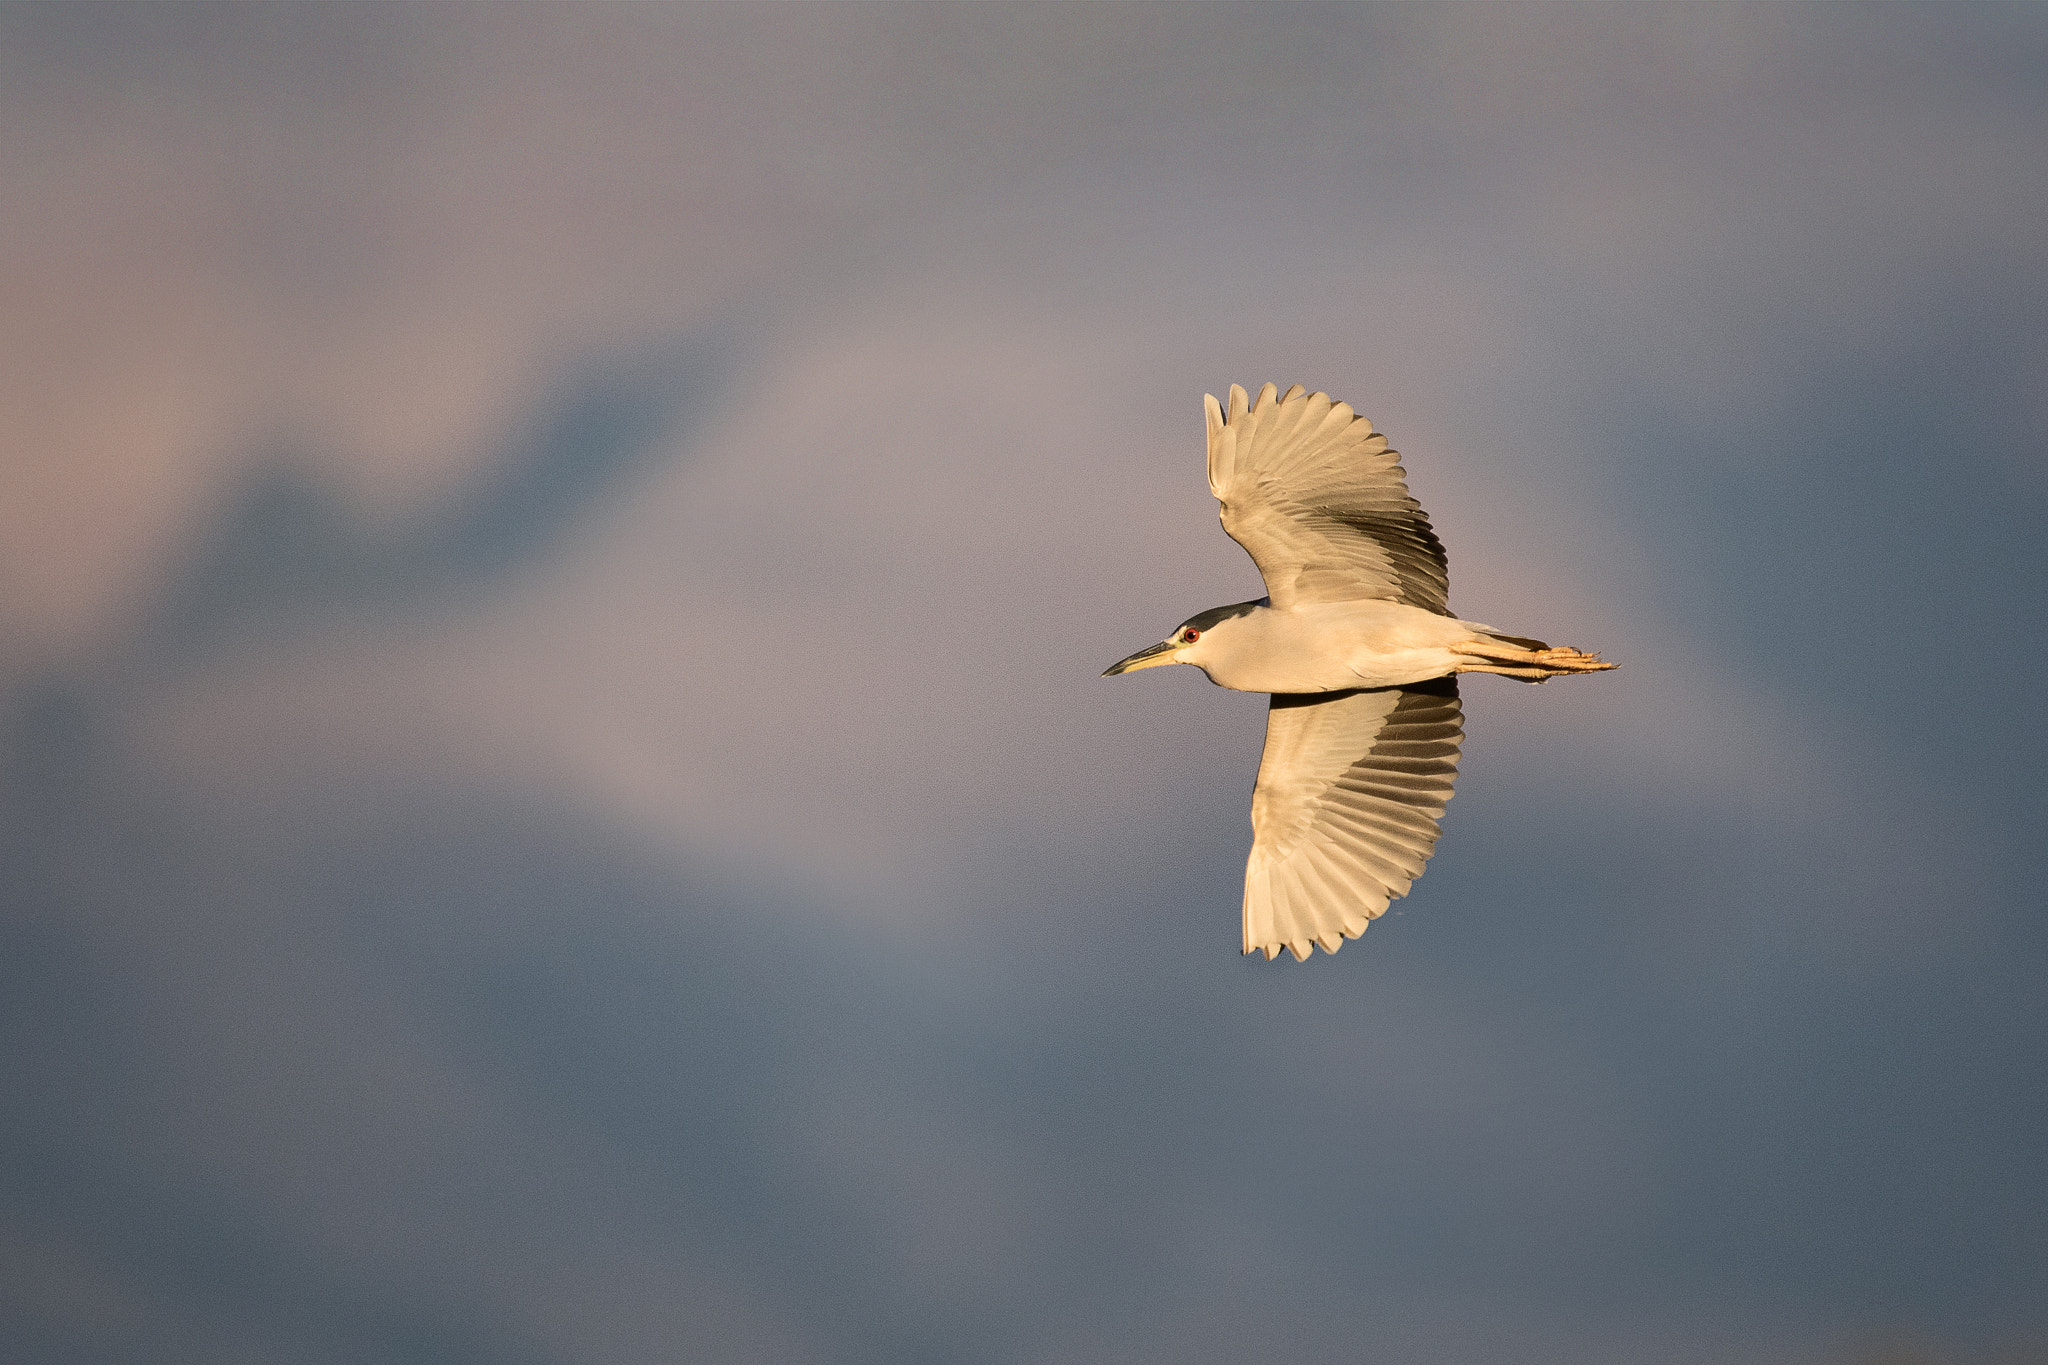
1361	653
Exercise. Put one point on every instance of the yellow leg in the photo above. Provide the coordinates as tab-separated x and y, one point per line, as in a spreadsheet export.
1530	665
1533	675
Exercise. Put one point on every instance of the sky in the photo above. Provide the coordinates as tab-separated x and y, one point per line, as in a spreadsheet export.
556	805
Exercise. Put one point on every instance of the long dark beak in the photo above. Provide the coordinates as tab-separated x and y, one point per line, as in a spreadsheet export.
1151	656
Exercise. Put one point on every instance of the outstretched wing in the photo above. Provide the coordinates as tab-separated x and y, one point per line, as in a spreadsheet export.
1350	790
1320	503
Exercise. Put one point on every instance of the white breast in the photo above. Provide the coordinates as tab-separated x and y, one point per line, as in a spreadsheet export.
1329	647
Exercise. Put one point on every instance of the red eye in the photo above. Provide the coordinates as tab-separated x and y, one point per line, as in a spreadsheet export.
1188	637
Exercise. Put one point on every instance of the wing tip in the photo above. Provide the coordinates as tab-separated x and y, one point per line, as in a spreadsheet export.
1330	940
1241	403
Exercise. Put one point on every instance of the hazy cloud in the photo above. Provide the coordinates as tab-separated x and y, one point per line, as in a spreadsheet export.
558	803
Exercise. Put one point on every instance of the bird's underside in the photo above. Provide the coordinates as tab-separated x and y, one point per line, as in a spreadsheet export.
1356	642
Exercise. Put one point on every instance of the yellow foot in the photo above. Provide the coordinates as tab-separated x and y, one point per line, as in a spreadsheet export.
1530	665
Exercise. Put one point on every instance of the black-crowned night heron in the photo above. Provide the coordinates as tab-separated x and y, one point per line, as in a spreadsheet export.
1360	652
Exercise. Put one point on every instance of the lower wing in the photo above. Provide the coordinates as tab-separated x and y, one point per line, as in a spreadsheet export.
1350	790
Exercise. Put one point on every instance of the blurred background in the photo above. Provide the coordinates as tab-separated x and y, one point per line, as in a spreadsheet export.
555	802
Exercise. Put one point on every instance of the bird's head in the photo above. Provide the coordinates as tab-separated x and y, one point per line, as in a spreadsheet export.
1193	641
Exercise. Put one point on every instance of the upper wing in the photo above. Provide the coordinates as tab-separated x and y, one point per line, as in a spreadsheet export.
1350	789
1320	503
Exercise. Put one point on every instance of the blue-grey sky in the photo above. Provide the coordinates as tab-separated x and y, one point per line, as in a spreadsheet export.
557	805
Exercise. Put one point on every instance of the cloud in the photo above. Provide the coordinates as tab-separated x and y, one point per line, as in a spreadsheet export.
529	841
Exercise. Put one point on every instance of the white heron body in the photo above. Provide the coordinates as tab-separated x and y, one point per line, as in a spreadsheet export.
1357	644
1330	646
